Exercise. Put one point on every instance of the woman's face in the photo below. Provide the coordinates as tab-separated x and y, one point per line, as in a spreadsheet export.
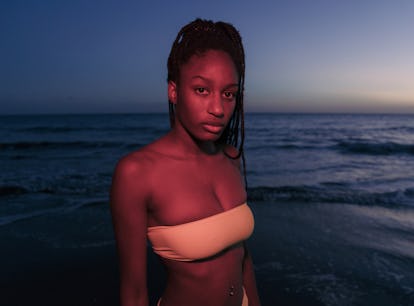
205	96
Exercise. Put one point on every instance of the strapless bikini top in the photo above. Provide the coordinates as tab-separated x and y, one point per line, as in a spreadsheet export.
202	238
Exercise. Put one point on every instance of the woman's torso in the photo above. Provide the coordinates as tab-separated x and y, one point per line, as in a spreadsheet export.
183	190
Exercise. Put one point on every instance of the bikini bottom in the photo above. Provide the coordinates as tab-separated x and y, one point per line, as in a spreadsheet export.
245	301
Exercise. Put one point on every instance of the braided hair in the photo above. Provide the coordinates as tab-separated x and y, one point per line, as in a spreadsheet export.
196	38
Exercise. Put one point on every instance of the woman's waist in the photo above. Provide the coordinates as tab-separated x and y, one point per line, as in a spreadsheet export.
215	291
224	265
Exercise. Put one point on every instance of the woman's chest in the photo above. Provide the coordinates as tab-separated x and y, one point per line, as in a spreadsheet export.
185	192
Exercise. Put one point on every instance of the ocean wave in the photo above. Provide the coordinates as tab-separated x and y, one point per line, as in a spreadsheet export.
17	217
16	190
70	129
133	146
270	147
331	194
12	218
345	147
21	157
38	145
397	128
51	129
86	184
8	190
96	203
385	148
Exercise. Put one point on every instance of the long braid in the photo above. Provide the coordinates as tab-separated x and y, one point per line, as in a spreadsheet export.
238	116
196	38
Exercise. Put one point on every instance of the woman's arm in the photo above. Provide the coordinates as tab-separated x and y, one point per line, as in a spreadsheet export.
249	280
129	215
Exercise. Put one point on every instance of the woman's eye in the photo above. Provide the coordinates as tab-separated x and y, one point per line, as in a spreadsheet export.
229	94
201	90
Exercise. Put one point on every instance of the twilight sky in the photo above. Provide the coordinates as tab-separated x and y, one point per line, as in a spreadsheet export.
301	56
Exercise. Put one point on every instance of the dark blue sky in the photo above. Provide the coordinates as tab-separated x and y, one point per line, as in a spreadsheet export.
110	56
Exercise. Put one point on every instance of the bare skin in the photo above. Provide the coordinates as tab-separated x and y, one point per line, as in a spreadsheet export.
185	176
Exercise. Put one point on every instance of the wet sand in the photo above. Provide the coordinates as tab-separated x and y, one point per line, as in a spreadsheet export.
35	272
304	254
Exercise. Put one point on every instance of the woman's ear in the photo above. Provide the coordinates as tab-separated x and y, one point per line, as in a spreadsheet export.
172	92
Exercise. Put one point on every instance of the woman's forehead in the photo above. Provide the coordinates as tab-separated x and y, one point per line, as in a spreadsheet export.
209	63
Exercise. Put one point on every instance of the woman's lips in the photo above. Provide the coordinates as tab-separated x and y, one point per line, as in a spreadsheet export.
214	128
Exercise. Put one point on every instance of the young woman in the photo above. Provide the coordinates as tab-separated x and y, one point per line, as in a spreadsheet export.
185	192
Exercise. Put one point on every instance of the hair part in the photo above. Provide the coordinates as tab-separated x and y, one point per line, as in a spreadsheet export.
196	38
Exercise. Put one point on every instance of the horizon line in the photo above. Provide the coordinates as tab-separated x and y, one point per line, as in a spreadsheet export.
166	113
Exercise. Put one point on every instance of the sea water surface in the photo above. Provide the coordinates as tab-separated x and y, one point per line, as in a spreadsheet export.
333	194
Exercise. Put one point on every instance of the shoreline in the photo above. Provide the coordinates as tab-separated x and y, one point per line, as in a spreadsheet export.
304	255
37	273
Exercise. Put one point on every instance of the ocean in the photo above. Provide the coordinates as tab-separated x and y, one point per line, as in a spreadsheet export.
332	194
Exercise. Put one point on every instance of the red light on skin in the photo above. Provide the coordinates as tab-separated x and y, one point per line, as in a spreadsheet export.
205	96
214	129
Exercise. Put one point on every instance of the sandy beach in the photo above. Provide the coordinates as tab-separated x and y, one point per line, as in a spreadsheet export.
304	254
35	272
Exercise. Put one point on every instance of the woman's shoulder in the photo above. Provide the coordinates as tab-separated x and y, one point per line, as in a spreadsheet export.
136	161
142	160
131	165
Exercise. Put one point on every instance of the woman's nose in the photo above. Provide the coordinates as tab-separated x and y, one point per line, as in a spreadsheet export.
215	106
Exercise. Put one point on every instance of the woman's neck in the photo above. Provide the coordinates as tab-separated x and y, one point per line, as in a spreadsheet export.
184	142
